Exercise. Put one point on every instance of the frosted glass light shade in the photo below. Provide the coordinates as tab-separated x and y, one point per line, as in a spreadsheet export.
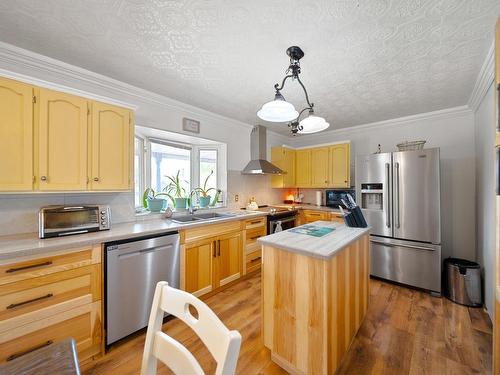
313	124
278	110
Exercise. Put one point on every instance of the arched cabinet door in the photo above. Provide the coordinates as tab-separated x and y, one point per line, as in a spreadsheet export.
16	136
62	142
112	136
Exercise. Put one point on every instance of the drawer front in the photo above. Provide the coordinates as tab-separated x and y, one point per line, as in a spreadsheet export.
16	271
79	323
255	223
32	294
209	231
311	216
254	234
253	260
337	218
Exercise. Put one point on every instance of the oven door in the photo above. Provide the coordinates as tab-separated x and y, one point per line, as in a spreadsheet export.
286	223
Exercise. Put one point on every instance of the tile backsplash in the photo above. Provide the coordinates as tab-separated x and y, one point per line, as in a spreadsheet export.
19	212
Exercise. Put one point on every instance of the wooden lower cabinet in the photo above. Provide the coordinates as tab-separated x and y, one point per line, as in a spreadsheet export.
198	276
228	260
82	323
49	299
312	216
212	257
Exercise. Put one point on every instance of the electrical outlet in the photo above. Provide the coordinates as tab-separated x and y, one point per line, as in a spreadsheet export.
236	198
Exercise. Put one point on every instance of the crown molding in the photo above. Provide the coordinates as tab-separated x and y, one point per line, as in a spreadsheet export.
12	58
484	79
406	120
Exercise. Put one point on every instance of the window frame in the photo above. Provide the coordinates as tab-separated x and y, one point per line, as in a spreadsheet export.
142	169
221	172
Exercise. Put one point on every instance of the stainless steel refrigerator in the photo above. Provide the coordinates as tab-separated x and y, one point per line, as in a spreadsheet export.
399	194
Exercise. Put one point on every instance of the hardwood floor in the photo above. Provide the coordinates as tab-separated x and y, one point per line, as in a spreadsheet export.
405	332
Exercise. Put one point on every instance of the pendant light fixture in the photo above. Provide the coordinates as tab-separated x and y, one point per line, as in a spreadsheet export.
279	110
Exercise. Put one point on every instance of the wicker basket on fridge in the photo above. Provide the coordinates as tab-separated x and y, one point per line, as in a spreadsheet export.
411	146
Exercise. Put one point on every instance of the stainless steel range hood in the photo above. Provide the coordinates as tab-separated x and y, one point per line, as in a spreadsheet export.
258	151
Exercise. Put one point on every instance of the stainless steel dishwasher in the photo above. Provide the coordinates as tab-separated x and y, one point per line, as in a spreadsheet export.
133	268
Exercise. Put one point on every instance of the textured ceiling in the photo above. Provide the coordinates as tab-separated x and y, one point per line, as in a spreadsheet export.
365	61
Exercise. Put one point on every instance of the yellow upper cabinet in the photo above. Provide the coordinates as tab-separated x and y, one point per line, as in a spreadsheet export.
303	168
111	147
283	158
340	165
16	135
319	167
62	141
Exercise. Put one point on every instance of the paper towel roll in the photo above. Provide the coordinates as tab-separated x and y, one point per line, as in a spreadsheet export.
318	198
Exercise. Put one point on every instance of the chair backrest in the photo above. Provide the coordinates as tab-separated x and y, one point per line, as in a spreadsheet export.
224	345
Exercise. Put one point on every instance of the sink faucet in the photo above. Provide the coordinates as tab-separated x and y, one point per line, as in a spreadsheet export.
192	210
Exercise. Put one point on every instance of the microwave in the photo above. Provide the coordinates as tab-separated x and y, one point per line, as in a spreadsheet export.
57	221
333	198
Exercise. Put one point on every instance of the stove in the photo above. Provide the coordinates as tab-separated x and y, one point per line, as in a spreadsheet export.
278	217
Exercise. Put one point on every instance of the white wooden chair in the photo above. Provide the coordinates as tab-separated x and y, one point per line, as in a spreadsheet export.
224	345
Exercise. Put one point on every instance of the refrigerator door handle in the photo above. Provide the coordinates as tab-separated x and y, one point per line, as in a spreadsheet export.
400	245
398	224
388	208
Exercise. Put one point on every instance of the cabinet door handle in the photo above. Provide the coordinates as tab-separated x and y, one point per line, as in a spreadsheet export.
17	269
218	248
255	260
96	179
14	305
43	178
215	249
32	349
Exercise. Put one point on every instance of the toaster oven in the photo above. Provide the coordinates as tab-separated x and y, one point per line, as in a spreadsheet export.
56	221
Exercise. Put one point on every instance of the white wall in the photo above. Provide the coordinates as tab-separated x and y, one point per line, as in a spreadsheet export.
450	130
485	193
152	110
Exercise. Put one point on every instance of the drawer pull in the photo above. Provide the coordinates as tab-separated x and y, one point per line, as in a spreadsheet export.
14	305
17	269
255	222
254	238
314	214
255	260
20	354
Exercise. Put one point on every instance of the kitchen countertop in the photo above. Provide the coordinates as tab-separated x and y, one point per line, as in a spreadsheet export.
319	247
27	245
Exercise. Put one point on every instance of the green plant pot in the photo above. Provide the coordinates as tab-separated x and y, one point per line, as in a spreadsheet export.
204	201
180	203
156	204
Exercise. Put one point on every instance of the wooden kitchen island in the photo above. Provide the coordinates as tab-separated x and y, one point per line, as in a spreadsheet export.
314	295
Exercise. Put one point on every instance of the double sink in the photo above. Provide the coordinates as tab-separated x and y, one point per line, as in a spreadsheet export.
201	216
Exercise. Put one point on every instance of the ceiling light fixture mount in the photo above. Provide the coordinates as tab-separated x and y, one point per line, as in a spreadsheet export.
279	110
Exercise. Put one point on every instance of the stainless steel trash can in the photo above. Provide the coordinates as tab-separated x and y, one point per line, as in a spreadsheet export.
463	281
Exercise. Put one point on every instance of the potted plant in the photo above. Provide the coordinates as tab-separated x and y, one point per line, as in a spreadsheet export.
151	201
204	197
176	191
